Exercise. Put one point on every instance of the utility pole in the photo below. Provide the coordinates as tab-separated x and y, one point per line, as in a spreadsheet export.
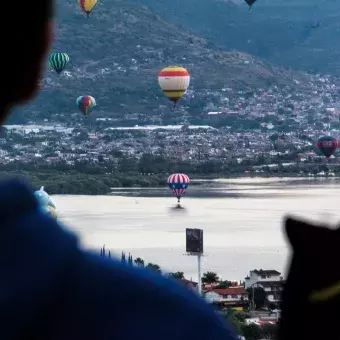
253	299
199	274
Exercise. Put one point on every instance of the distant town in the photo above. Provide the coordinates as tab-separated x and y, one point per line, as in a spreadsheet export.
258	132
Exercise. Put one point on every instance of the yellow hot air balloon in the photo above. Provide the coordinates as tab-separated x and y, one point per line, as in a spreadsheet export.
174	81
87	5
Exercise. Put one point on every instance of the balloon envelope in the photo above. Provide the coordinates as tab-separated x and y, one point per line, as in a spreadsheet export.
87	5
250	2
42	197
327	145
178	184
58	61
86	104
44	201
174	81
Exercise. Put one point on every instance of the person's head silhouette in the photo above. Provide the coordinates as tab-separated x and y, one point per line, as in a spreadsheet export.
26	35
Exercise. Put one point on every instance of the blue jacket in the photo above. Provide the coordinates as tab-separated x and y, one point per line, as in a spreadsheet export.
51	289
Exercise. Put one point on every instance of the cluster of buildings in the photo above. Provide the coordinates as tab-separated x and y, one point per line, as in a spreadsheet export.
242	296
234	128
195	144
317	102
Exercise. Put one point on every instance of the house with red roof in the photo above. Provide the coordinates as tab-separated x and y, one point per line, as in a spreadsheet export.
232	296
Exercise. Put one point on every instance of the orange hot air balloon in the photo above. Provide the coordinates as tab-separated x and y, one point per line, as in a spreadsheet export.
87	5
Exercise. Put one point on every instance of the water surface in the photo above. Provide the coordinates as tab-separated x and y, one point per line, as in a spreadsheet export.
242	222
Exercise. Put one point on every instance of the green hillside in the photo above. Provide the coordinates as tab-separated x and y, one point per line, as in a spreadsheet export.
301	34
117	53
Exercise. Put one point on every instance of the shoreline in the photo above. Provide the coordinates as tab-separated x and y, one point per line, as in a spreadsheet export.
82	183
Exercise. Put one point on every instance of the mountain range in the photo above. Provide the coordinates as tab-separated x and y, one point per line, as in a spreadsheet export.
299	34
117	53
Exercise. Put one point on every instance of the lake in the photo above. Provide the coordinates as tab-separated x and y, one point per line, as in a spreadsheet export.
241	219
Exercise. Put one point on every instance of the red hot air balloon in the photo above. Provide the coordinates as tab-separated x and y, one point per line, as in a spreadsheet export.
327	145
86	104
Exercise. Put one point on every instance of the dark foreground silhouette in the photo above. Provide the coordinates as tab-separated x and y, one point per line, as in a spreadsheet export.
51	289
311	298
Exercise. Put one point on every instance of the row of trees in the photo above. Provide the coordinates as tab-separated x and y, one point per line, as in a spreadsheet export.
92	179
138	262
76	183
208	277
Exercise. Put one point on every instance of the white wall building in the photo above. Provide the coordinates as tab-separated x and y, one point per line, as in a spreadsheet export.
232	295
262	276
270	281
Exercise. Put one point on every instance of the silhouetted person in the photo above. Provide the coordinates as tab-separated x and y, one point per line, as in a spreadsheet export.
49	287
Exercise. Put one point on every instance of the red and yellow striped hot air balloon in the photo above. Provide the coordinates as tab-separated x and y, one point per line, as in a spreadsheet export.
174	81
87	5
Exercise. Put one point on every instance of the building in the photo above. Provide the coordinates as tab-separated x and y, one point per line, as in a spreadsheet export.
270	281
262	276
189	284
233	296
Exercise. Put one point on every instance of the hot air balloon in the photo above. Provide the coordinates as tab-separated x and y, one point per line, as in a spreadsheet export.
41	196
86	104
327	145
178	184
250	3
174	81
58	61
45	203
87	5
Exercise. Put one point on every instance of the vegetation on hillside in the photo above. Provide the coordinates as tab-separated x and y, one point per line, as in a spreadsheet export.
98	178
295	33
116	55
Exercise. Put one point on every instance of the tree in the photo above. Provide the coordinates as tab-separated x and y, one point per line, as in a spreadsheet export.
260	298
103	252
224	284
154	267
177	275
210	277
269	331
240	316
139	262
127	164
237	319
234	321
251	332
130	260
